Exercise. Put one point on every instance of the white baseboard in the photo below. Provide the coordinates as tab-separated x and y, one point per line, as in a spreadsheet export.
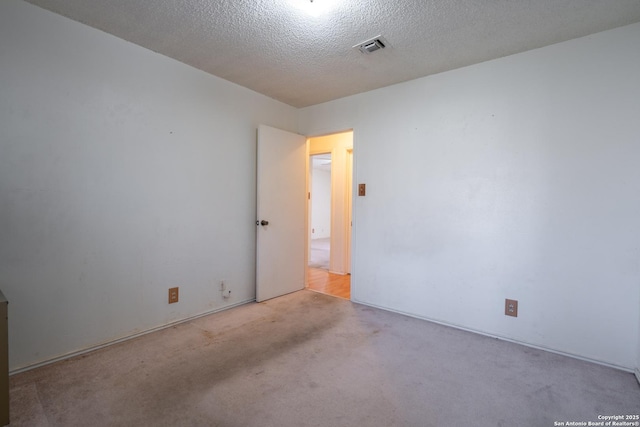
341	273
486	334
125	338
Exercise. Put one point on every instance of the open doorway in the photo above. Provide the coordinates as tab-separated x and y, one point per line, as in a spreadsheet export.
329	233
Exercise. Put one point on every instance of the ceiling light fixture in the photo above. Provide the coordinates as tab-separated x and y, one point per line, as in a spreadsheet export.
314	7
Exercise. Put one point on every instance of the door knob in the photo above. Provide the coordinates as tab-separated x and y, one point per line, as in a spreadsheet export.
263	222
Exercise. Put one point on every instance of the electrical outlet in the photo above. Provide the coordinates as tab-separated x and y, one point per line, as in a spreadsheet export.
511	307
173	295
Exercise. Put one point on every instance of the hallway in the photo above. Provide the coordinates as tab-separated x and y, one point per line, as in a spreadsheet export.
319	256
322	281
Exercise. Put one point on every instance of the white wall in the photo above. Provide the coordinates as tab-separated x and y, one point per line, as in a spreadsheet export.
320	203
122	173
516	178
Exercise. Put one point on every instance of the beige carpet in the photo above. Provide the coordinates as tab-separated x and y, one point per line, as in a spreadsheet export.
308	359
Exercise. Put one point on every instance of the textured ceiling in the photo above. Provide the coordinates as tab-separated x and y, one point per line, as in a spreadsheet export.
290	51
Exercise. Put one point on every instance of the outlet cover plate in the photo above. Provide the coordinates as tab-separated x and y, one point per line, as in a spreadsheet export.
173	295
511	307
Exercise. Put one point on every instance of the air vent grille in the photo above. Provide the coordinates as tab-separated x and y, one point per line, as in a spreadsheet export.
371	45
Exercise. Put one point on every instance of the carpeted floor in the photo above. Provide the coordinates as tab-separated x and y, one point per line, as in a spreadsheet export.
319	256
308	359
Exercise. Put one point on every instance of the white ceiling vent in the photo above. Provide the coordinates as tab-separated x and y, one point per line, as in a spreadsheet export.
371	45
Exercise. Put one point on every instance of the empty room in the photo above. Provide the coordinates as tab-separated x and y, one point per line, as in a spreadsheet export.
154	213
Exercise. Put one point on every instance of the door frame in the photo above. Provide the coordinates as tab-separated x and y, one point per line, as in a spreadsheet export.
349	207
347	213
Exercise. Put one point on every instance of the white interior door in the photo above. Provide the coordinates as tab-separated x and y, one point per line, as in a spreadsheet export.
281	212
